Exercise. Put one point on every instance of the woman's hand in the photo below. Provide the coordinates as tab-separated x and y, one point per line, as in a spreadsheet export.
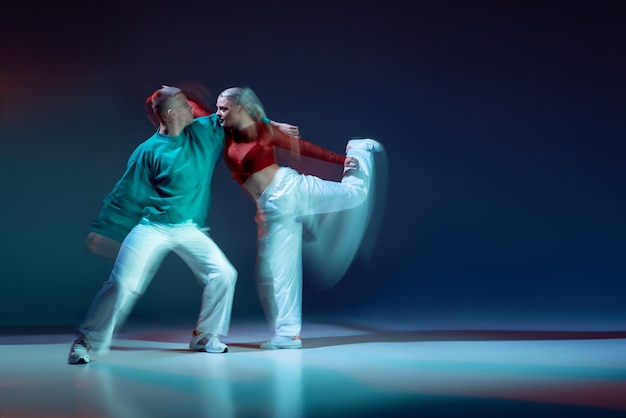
290	130
351	162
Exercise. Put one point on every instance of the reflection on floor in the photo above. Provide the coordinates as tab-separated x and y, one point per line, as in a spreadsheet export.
347	369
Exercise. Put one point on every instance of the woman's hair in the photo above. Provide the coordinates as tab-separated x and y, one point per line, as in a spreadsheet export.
244	96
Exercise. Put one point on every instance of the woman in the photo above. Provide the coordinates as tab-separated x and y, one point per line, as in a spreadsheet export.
283	196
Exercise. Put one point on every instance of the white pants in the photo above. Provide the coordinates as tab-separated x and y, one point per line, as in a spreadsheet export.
140	257
280	207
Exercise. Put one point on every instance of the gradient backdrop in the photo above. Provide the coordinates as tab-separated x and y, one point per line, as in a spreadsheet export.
504	125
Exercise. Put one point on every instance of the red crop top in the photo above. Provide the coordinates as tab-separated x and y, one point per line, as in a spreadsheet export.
252	149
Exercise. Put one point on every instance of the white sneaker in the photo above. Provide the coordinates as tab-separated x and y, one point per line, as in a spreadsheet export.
365	144
279	341
207	342
79	353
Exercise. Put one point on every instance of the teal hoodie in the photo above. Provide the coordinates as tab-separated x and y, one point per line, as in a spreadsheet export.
167	180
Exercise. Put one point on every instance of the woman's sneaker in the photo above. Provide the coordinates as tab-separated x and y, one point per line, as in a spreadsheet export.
278	342
79	353
365	144
201	341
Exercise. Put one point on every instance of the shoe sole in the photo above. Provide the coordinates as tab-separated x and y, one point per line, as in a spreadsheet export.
203	348
216	352
280	347
79	360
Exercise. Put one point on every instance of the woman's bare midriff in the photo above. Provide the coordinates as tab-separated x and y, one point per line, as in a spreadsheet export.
258	182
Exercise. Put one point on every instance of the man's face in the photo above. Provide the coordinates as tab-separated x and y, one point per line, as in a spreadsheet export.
226	113
180	110
197	109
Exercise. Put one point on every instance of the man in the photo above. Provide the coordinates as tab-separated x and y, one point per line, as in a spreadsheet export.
168	182
121	210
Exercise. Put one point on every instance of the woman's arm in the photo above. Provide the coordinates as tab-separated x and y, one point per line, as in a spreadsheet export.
306	148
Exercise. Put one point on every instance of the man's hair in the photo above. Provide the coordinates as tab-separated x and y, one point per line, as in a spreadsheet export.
157	102
197	95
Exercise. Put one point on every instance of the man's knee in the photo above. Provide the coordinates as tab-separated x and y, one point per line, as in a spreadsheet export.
230	273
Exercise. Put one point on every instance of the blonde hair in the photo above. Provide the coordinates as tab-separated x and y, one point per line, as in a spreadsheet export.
244	96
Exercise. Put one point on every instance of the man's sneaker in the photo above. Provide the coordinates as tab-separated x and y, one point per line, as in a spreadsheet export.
201	341
79	353
278	341
365	144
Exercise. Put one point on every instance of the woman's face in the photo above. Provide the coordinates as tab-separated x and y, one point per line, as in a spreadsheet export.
228	114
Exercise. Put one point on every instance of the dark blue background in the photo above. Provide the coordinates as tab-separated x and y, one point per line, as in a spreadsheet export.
503	122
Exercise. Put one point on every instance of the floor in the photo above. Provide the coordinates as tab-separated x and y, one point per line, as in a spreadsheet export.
346	368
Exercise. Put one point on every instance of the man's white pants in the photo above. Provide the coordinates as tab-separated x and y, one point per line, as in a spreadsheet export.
140	257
